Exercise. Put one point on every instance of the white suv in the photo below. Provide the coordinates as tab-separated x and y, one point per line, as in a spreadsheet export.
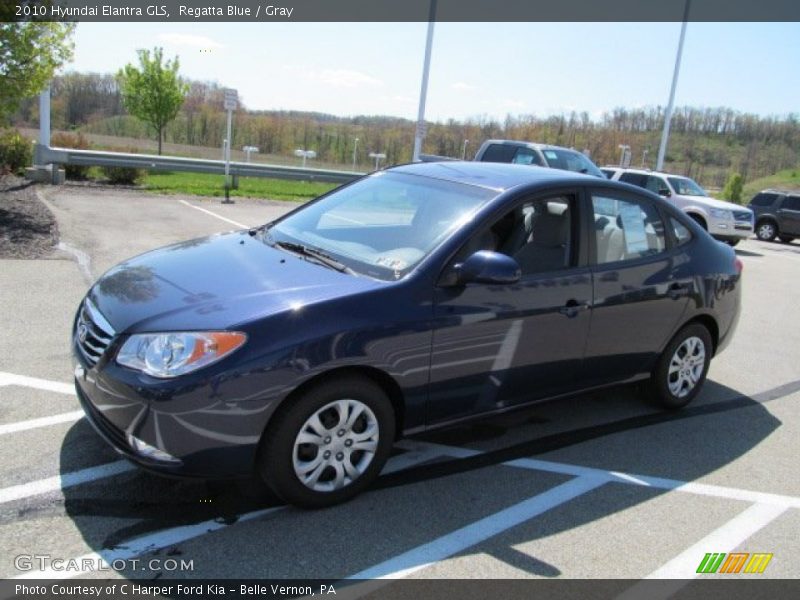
725	221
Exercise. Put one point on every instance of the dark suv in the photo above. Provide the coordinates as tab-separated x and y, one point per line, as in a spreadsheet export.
777	214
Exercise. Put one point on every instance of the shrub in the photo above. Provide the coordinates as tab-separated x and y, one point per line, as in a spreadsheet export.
15	151
733	188
122	175
76	141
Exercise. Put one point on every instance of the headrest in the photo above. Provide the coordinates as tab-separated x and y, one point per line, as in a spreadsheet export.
550	229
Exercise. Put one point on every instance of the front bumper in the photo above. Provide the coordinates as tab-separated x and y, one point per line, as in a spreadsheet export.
737	227
205	436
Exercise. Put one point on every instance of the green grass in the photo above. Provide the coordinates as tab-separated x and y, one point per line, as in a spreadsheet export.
200	184
782	180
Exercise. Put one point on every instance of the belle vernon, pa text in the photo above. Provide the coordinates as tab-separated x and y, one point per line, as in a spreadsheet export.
180	590
197	12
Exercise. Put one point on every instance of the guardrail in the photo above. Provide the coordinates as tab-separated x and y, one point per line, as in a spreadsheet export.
435	158
44	155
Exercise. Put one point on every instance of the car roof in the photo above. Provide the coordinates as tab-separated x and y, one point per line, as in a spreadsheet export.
649	172
493	176
538	145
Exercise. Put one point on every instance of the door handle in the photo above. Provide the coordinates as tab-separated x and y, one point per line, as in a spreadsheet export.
573	307
678	290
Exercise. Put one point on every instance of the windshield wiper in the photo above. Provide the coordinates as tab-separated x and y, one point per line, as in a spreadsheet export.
316	254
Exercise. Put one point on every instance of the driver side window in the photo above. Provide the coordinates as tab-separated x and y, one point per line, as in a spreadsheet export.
537	234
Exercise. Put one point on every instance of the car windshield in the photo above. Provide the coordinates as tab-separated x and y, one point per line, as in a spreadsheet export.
570	160
380	226
686	187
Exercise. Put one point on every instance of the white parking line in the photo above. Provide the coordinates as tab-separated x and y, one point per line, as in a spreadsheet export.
35	382
42	422
63	481
701	489
159	539
213	214
474	533
683	567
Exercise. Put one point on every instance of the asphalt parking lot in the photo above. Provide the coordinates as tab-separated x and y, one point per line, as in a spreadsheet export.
596	486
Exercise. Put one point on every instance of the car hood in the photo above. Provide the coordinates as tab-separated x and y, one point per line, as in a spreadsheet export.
713	202
216	282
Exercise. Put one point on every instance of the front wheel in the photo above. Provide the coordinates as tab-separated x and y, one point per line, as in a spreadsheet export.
682	367
329	444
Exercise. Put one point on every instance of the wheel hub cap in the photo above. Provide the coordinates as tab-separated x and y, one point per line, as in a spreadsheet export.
335	445
686	367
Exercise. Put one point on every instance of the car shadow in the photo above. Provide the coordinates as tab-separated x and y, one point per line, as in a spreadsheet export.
741	252
608	430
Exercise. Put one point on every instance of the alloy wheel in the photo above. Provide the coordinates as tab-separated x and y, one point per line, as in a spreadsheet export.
766	231
686	366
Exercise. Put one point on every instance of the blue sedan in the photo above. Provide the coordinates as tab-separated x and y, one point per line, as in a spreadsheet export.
411	299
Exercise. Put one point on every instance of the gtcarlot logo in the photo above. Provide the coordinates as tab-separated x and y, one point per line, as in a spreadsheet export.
47	562
715	562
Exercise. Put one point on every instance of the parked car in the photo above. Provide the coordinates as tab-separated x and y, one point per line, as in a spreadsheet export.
411	299
777	214
609	172
725	221
540	155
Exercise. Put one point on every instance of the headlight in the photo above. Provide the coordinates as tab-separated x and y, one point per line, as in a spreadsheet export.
167	355
720	213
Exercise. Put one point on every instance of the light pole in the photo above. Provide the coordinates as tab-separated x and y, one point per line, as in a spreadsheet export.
378	156
625	150
662	148
304	154
423	93
464	150
355	148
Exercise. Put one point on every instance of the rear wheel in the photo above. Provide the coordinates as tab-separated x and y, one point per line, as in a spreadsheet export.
732	243
786	239
766	231
329	444
682	367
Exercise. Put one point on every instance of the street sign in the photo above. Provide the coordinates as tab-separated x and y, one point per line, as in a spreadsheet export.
231	99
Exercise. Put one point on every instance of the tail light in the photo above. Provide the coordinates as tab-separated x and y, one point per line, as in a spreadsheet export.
738	264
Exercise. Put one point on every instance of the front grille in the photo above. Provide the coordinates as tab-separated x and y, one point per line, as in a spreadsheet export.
93	332
743	215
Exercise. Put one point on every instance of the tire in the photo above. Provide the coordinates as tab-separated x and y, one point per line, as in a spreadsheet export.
682	367
732	243
786	239
766	231
699	220
348	426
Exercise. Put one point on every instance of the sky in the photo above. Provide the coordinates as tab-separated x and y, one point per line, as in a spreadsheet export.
477	69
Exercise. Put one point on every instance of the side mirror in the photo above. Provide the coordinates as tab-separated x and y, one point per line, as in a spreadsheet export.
488	267
664	192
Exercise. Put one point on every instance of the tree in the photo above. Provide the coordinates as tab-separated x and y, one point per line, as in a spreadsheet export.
153	92
29	55
733	188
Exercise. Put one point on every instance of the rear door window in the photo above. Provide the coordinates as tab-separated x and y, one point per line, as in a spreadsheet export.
625	229
791	203
503	153
638	179
763	199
